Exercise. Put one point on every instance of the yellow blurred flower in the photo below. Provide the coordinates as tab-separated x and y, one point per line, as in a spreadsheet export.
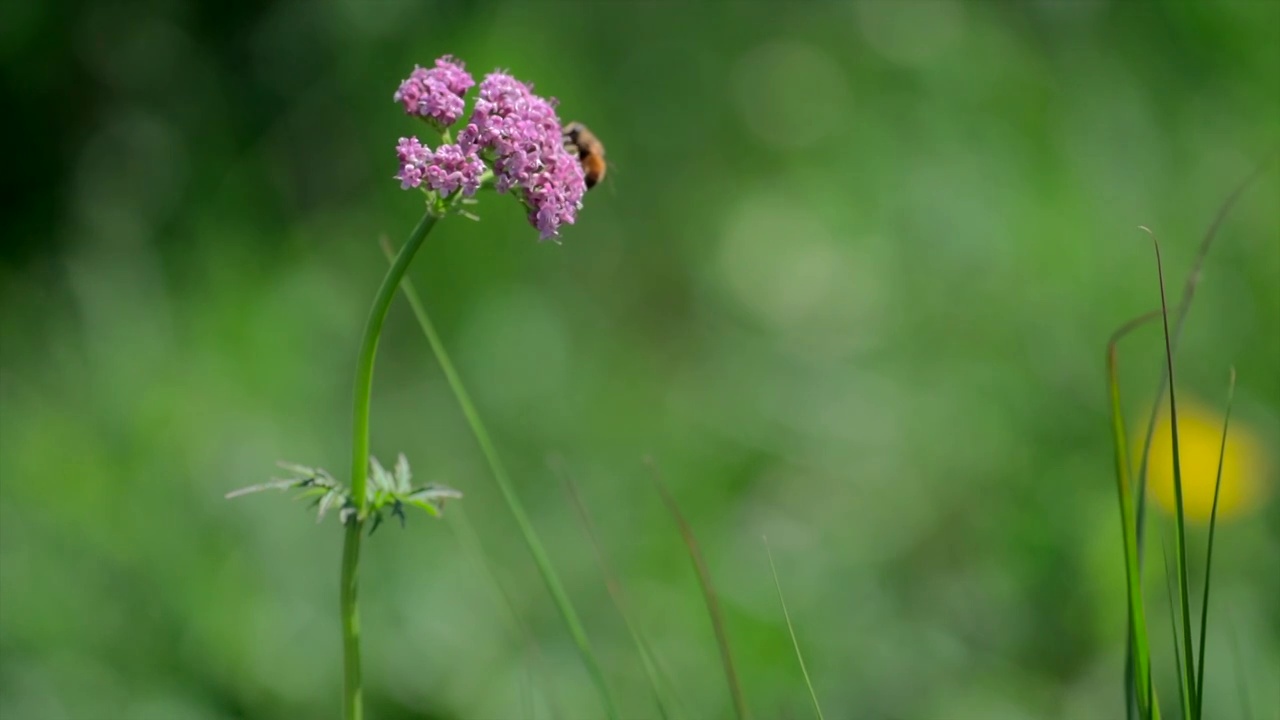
1244	467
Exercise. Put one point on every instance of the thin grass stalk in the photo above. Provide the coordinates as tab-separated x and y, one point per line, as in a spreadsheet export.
1137	654
1180	319
614	587
708	594
1180	527
1208	560
1184	686
813	695
516	625
490	452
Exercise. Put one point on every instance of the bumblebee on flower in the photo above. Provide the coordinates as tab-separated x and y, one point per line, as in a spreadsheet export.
513	141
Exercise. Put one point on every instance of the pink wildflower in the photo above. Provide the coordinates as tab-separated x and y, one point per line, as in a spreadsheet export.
436	94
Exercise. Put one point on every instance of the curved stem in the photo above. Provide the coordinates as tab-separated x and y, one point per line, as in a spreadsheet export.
351	687
364	367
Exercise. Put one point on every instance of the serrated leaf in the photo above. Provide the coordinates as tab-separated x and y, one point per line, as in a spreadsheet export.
300	470
273	484
327	502
431	509
403	475
346	513
315	491
431	498
314	484
434	493
380	479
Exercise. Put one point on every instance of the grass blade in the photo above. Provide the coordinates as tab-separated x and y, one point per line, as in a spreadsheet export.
470	541
490	452
817	709
1137	679
708	593
614	587
1180	319
1184	688
1180	527
1208	560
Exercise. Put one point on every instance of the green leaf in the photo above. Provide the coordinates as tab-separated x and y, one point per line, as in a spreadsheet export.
313	491
380	479
1180	318
434	493
1138	694
1188	671
432	510
274	484
301	470
347	513
328	501
403	475
375	522
432	498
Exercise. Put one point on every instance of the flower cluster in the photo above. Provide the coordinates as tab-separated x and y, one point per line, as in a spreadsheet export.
515	130
446	170
436	94
522	133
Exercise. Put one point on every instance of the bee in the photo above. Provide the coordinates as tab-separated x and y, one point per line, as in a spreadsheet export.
590	151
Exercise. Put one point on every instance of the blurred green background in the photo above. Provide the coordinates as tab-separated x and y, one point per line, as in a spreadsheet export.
849	282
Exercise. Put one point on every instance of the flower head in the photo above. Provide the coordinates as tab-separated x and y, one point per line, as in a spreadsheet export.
516	131
555	195
436	94
445	170
522	133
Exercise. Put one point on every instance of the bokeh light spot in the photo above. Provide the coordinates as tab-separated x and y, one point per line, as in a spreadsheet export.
791	95
1244	466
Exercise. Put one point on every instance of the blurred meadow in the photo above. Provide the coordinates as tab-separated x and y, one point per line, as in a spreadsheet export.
848	282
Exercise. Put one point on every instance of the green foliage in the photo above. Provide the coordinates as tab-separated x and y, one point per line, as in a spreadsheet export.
1138	685
1140	695
388	492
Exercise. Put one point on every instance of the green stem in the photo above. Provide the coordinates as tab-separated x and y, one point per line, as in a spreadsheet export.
352	689
353	708
368	349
